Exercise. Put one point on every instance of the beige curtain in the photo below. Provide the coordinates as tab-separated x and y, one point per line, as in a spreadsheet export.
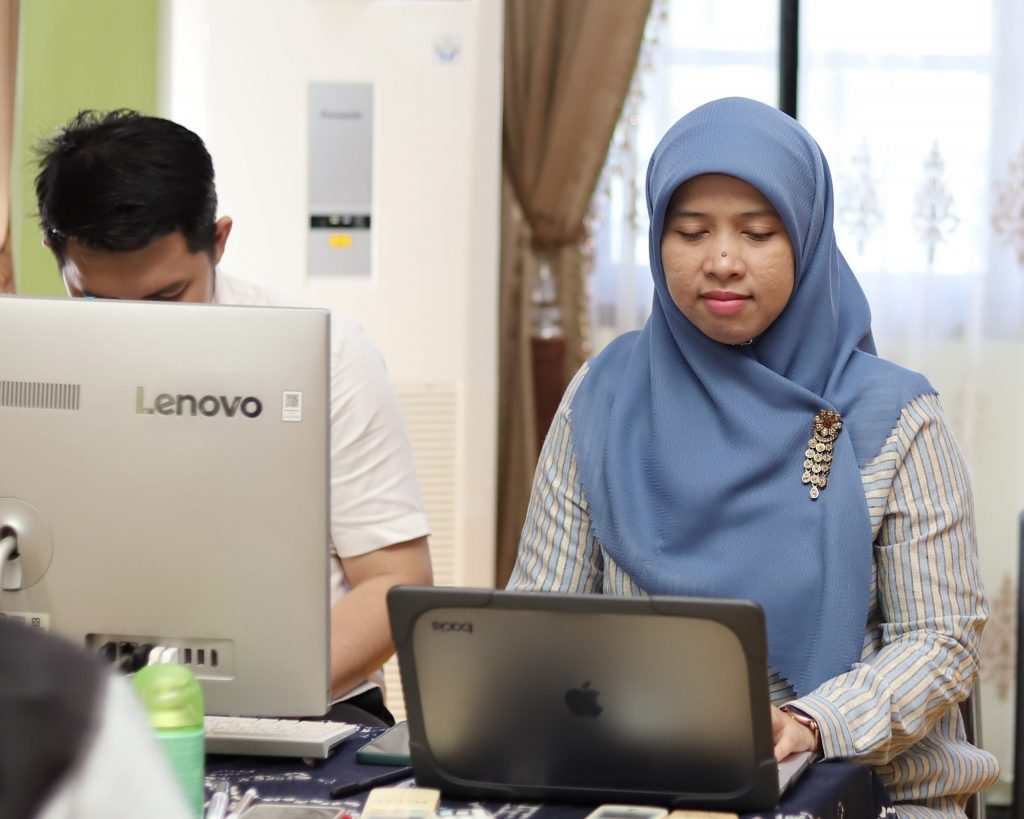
8	66
568	67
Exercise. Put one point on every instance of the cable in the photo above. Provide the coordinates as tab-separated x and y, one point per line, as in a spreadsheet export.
8	550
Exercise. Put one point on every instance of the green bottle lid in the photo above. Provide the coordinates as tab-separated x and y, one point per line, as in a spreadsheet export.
170	694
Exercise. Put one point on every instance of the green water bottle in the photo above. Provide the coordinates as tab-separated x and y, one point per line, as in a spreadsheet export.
174	701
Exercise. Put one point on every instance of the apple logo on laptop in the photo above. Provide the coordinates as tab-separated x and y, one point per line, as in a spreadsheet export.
583	701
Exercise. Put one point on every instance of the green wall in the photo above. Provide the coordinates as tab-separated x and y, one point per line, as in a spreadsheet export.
72	54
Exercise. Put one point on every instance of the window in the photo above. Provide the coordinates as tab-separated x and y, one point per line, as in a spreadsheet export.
904	99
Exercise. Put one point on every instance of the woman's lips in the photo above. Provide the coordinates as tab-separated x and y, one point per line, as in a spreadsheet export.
722	302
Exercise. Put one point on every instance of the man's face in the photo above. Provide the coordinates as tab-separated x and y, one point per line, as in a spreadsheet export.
163	270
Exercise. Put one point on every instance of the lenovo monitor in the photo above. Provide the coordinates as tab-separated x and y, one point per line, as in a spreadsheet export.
164	469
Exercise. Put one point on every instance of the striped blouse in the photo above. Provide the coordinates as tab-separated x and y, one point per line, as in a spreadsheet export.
895	709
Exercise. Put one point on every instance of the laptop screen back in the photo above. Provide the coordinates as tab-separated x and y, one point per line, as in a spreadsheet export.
617	699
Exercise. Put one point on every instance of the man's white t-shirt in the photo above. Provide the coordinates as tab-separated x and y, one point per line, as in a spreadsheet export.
375	497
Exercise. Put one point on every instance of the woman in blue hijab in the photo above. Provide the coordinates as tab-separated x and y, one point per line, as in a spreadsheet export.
749	443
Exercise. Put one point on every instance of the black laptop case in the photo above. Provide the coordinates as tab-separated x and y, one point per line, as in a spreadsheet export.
586	698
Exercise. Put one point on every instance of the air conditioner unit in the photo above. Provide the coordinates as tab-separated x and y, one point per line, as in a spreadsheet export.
240	74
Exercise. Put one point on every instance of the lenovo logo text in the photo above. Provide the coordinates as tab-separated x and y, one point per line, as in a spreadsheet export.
452	626
208	405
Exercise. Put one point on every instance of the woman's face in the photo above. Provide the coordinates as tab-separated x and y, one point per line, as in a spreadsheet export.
727	258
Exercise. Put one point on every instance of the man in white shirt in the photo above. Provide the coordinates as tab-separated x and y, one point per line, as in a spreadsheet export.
127	204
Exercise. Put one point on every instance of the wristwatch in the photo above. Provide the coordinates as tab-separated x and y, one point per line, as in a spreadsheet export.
809	723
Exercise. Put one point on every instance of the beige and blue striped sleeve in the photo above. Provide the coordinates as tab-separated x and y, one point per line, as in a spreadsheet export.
557	549
921	655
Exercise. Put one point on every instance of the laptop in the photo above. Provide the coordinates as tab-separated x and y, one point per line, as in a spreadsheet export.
588	698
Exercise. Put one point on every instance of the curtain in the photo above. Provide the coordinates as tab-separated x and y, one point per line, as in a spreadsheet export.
8	66
568	66
940	255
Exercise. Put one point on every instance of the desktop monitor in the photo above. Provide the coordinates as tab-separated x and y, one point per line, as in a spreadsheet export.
164	468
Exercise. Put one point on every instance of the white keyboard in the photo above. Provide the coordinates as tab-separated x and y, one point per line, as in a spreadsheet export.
259	736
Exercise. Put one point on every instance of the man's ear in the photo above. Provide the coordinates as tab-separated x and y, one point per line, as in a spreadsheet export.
223	230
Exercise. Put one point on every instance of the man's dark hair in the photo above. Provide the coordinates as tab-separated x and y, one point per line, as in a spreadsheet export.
120	180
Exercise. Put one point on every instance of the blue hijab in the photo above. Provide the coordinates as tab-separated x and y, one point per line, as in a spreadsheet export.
690	452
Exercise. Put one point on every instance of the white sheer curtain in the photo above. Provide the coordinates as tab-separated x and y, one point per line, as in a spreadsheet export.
916	105
694	51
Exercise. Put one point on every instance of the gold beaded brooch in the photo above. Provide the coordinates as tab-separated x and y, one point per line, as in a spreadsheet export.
818	457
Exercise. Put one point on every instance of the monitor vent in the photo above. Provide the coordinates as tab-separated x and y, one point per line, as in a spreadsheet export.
39	395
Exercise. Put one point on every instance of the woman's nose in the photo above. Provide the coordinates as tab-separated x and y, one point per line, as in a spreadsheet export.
725	260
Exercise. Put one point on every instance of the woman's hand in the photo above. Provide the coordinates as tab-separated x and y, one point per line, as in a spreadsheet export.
790	736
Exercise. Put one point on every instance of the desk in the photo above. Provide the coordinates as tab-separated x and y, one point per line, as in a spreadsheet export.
831	790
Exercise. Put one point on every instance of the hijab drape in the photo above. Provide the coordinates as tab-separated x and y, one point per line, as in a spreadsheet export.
691	452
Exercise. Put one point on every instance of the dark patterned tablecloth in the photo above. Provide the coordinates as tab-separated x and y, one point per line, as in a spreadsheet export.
828	790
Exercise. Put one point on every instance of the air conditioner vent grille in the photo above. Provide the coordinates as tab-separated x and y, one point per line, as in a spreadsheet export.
432	416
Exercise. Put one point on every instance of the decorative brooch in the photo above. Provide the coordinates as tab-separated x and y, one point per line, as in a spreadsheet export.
818	463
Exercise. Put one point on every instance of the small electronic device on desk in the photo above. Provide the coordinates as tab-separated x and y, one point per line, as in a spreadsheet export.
388	748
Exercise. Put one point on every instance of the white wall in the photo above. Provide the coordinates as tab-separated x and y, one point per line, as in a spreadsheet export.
236	71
